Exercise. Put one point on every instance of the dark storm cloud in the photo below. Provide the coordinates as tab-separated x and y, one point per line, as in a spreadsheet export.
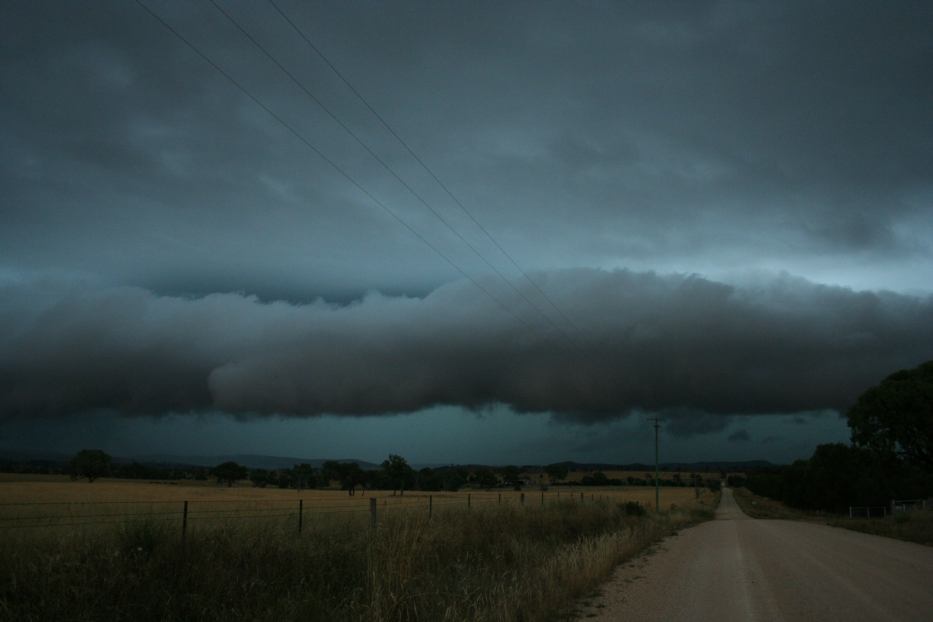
686	424
681	344
137	186
695	136
739	436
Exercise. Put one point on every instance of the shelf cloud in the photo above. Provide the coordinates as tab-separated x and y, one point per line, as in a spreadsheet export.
660	169
639	341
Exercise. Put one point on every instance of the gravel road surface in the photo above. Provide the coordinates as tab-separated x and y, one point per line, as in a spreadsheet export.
742	569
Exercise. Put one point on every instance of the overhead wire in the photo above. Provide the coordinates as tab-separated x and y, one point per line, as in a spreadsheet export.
291	129
419	160
420	198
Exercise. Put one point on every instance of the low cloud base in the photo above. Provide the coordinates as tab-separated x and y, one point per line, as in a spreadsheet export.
640	341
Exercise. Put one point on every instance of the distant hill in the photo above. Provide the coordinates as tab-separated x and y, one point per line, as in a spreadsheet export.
13	455
722	465
259	461
254	461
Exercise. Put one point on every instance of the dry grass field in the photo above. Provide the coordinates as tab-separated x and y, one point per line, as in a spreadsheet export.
489	560
28	503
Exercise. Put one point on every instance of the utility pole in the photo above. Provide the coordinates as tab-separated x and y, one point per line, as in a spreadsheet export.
657	480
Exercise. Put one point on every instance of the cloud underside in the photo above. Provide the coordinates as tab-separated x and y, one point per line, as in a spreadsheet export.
691	136
639	341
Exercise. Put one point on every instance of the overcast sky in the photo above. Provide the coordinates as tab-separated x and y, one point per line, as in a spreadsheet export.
721	213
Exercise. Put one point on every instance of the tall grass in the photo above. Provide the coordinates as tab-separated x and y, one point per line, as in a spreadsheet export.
757	506
916	526
495	563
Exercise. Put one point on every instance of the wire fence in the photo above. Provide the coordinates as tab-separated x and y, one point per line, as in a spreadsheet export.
868	511
895	508
297	512
900	506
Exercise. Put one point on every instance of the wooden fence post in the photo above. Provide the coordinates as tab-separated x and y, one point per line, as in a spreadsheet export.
469	500
522	498
184	522
500	498
430	505
301	504
542	498
372	512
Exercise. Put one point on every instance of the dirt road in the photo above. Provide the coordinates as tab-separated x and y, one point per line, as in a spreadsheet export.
739	568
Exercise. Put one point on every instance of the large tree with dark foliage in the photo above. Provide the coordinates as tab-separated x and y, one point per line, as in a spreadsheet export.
838	476
896	417
557	472
230	472
303	476
484	478
351	476
512	476
398	472
90	463
331	470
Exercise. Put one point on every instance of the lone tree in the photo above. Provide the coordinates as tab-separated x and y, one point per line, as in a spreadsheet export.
512	477
896	417
351	476
90	463
330	471
230	472
484	478
557	472
398	472
303	476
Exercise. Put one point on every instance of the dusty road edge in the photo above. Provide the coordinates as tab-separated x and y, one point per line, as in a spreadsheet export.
628	571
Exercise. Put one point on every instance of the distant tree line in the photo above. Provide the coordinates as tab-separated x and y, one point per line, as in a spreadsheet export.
599	478
394	474
839	475
891	455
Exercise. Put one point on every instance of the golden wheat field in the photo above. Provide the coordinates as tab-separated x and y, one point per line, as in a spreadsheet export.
35	501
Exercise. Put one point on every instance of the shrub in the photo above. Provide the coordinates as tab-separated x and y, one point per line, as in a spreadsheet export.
633	508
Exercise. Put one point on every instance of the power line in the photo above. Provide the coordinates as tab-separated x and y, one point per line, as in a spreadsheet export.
418	159
656	422
376	157
324	157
